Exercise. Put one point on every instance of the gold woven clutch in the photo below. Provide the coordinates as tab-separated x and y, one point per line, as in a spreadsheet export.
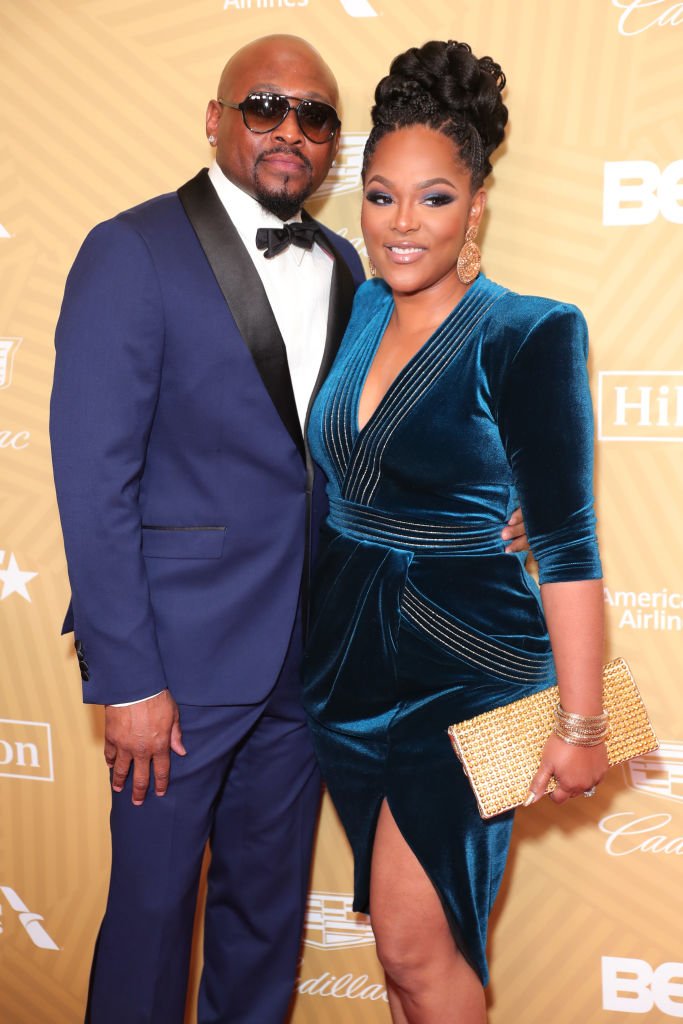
500	750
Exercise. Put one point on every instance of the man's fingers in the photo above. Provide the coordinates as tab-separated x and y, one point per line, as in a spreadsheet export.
515	532
177	745
538	784
140	779
109	753
162	772
120	771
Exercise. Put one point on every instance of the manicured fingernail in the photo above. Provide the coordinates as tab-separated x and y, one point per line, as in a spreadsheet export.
531	796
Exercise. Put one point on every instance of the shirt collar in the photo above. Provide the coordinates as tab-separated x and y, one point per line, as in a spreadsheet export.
244	211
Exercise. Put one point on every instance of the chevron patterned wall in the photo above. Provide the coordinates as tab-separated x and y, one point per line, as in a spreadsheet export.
101	106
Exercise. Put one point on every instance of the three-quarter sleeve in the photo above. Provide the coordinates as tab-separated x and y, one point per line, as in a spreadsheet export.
545	419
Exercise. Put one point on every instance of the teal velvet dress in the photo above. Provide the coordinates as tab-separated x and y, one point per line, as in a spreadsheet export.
418	617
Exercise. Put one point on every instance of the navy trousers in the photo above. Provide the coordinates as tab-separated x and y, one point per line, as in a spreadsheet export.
249	785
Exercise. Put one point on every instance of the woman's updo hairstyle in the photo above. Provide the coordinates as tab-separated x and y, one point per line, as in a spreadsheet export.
445	87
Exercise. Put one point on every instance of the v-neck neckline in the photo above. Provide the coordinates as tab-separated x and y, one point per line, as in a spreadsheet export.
373	348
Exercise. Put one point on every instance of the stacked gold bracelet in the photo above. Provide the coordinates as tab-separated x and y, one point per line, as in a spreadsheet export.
581	730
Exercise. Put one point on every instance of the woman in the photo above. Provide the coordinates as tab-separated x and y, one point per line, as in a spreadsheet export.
450	399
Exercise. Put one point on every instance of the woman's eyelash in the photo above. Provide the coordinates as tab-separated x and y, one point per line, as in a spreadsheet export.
438	199
379	198
384	199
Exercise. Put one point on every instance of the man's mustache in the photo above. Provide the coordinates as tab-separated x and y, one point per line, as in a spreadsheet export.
288	152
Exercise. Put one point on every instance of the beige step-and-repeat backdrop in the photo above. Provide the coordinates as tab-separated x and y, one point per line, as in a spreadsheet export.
101	106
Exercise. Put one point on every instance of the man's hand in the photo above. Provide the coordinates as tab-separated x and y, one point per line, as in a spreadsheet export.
143	734
515	532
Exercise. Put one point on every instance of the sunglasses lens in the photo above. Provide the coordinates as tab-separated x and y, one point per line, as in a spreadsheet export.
263	111
318	121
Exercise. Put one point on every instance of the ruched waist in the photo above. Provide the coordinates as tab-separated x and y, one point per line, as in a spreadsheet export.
438	534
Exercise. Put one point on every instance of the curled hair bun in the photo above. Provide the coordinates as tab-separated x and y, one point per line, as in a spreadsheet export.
444	86
399	94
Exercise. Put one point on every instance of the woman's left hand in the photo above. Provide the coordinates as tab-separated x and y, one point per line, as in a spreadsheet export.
576	769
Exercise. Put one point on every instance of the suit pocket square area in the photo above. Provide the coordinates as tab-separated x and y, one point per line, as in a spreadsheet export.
183	541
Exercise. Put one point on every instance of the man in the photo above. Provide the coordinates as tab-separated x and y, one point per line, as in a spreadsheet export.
190	343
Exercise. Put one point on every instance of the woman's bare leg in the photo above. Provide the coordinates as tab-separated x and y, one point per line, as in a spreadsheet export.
428	979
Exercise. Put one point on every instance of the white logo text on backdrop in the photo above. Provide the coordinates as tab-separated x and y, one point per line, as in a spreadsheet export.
15	439
633	986
4	233
359	8
647	609
30	922
26	750
628	834
659	773
636	192
261	5
640	405
640	15
345	171
8	350
355	8
14	581
332	924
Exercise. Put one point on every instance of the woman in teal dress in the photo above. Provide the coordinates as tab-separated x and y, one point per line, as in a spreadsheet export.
452	400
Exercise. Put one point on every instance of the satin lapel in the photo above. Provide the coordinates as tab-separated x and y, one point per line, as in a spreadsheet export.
342	290
244	293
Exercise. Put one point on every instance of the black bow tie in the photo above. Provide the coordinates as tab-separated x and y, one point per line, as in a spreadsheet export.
276	240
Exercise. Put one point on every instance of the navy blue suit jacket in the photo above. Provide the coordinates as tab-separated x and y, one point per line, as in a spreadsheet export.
187	497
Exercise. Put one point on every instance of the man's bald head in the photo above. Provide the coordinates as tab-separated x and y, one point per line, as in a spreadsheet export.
280	168
283	48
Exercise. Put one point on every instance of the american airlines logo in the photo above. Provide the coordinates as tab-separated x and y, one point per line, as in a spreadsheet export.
8	350
640	405
30	922
659	773
344	175
354	8
332	924
261	5
359	8
26	750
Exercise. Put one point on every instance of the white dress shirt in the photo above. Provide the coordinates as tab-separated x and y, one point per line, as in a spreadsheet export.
297	282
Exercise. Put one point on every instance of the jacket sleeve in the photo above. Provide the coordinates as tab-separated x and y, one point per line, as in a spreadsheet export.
109	349
545	419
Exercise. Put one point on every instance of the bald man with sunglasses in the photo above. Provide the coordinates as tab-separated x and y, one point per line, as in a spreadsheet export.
195	332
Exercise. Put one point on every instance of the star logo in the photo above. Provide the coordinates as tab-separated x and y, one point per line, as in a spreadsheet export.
14	580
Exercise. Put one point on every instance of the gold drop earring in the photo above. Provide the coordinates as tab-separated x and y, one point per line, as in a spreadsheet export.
469	260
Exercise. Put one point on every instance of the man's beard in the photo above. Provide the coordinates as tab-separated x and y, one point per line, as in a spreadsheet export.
284	203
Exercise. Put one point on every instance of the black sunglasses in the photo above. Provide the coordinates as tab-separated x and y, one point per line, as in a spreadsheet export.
264	111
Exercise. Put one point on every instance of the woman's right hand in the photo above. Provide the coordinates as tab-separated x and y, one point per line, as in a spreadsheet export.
576	769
